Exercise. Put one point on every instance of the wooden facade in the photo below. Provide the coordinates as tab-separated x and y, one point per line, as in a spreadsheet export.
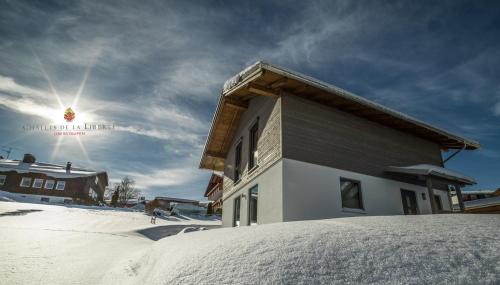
78	188
214	193
265	80
322	135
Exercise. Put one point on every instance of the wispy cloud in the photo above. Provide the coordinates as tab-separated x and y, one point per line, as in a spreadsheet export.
156	69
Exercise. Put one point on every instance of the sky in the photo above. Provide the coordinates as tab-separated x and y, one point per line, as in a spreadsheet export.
155	69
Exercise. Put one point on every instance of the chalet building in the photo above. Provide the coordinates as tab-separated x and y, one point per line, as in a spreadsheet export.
167	203
34	181
214	193
294	148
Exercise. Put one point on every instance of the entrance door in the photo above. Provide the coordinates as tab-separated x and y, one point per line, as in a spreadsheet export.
409	198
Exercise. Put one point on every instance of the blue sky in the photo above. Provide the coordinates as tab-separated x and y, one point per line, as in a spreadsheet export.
156	68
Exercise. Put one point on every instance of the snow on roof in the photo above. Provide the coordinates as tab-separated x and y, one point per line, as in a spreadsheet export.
53	170
432	170
481	203
288	73
480	191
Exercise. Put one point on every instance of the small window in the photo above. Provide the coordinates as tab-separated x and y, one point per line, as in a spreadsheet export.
236	214
96	181
60	185
45	199
49	184
351	194
253	201
437	200
2	179
26	182
237	162
253	139
38	183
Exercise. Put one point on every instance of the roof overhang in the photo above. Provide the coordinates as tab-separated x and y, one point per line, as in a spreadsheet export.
263	79
427	170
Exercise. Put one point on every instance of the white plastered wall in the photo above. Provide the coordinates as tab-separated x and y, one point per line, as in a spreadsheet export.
313	192
270	207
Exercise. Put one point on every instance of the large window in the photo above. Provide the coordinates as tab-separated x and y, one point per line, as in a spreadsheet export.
237	162
38	183
60	185
254	197
49	184
2	179
25	182
253	139
439	205
236	214
351	194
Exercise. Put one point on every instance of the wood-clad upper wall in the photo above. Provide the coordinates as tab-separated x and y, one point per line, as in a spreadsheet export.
268	112
323	135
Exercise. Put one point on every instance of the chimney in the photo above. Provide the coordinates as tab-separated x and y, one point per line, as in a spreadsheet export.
68	166
29	158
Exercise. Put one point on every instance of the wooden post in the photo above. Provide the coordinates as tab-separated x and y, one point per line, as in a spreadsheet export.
430	191
459	197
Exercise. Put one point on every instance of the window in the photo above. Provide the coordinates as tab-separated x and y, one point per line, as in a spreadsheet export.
45	199
437	200
60	185
236	214
26	182
237	163
253	139
49	184
38	183
2	179
351	194
254	195
96	181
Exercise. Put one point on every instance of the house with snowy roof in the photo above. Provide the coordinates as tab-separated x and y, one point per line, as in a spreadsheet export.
214	193
294	148
32	181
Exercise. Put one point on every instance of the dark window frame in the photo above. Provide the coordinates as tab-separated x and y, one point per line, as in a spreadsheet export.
238	153
253	139
256	186
438	202
237	212
360	189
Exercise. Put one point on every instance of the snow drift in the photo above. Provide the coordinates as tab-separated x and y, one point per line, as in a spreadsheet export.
426	249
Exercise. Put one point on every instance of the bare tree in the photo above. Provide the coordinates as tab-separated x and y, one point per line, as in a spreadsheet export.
126	190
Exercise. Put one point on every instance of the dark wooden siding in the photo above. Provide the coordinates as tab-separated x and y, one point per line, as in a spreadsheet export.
324	135
75	187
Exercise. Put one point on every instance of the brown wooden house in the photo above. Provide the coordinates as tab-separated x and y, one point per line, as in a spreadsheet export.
214	193
32	181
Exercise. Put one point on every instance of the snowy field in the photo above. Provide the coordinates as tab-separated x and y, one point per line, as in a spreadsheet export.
60	245
45	244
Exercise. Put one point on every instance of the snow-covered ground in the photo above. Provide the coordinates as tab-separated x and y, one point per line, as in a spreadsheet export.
60	245
47	244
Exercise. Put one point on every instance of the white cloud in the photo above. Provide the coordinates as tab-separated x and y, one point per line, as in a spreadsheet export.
496	109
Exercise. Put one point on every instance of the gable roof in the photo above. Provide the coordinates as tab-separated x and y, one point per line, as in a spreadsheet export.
214	180
264	79
53	170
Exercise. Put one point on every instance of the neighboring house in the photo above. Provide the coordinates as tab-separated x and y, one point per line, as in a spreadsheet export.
167	203
214	193
45	182
481	201
295	148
